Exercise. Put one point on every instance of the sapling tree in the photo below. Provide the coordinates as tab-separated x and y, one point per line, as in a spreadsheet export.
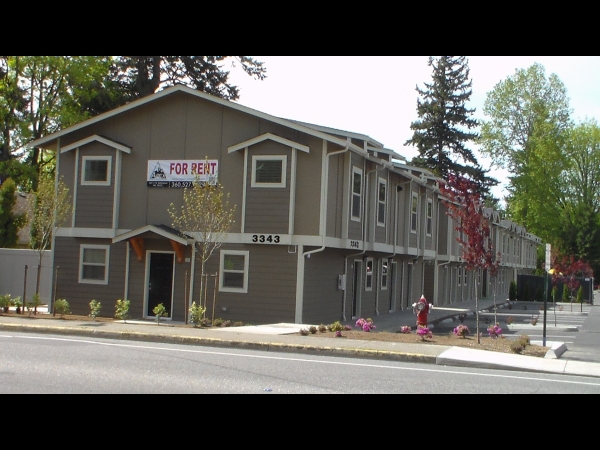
206	216
465	206
51	206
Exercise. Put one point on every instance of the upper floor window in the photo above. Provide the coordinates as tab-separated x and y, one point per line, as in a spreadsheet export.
269	171
234	271
356	193
381	201
414	205
429	216
96	170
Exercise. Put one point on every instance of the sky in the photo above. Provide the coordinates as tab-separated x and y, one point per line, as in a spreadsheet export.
376	95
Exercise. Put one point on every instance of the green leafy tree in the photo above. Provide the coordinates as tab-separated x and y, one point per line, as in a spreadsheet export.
205	215
443	130
13	109
51	207
10	222
580	234
45	97
515	107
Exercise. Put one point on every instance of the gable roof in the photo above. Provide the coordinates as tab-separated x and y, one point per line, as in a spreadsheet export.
95	137
51	141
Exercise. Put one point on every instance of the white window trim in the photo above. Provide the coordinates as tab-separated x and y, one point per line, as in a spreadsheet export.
459	269
223	253
83	247
414	196
380	202
367	275
360	194
429	224
382	286
108	170
282	158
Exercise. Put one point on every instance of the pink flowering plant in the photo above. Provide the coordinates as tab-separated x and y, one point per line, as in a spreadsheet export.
495	331
462	331
424	332
406	329
365	325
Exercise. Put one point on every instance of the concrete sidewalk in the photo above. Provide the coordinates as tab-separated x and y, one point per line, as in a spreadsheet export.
281	338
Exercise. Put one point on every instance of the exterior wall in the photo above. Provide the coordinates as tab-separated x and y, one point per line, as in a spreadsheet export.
94	204
271	296
337	196
79	295
429	283
323	301
268	209
355	230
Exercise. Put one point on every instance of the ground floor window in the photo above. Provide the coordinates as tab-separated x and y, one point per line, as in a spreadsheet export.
93	264
233	271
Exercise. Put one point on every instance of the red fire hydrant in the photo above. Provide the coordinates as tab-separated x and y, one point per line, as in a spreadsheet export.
421	309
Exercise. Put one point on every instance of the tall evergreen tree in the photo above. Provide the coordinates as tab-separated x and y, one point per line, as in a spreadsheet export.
443	130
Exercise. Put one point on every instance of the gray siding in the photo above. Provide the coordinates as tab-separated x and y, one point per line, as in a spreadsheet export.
94	207
79	295
271	296
268	209
322	299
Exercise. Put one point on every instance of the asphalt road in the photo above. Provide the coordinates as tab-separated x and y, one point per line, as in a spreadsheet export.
58	364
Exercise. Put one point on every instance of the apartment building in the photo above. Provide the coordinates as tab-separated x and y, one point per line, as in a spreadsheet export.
329	224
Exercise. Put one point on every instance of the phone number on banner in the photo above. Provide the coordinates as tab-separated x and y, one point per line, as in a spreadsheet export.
171	184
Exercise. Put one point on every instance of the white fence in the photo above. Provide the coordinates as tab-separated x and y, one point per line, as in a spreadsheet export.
13	273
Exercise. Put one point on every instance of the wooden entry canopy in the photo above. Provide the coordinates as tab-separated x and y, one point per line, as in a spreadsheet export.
136	238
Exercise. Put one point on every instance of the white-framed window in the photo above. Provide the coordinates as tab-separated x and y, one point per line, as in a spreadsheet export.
385	264
233	268
96	170
414	210
356	193
381	201
429	216
269	171
459	275
93	263
465	276
369	275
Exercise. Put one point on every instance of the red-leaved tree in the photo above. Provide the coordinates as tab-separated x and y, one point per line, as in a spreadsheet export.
569	270
465	206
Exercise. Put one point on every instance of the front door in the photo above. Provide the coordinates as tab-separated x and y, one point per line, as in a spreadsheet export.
392	281
160	282
356	287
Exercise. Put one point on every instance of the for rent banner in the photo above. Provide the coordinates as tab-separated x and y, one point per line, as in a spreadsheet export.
181	173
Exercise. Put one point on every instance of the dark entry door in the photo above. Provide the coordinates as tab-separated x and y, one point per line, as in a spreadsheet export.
160	282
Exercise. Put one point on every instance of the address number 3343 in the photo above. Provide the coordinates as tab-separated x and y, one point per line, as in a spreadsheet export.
270	238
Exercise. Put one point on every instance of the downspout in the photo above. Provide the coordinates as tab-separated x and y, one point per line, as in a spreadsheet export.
322	232
323	218
399	188
374	229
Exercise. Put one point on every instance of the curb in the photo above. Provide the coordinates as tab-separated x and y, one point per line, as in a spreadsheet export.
350	352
